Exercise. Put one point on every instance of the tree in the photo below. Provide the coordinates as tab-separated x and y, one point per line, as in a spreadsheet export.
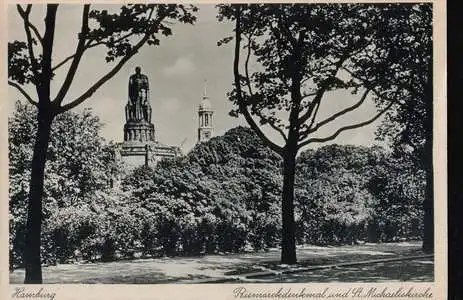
30	62
399	189
221	196
408	127
302	53
247	179
354	191
79	164
338	200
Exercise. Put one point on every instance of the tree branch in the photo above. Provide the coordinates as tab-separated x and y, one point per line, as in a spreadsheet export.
279	130
320	93
284	26
36	32
378	94
342	129
276	31
44	86
305	95
32	26
246	66
296	67
275	127
316	101
241	104
311	70
76	60
248	83
63	62
340	113
88	46
115	69
30	45
304	133
23	92
314	116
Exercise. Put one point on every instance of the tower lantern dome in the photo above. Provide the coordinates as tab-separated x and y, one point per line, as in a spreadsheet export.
205	104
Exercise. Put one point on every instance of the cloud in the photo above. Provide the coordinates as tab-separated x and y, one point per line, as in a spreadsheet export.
169	105
113	119
182	66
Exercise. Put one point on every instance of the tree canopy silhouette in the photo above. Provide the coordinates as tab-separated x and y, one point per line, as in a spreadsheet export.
300	54
123	33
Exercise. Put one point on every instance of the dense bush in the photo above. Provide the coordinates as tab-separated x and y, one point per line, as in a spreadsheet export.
78	164
399	188
226	195
223	196
350	193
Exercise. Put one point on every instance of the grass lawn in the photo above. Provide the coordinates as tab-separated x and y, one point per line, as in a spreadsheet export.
210	267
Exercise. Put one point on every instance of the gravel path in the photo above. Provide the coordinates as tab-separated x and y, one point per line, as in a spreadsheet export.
213	267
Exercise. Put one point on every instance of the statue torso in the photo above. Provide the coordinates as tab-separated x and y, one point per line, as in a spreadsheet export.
139	81
139	108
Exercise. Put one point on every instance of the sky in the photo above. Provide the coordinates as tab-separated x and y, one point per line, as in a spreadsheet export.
176	70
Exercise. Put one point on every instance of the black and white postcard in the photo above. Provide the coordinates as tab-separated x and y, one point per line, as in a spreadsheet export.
224	150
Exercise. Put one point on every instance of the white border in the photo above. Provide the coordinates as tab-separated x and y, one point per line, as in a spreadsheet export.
225	291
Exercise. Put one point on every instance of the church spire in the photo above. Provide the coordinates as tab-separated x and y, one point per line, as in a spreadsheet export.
205	114
205	89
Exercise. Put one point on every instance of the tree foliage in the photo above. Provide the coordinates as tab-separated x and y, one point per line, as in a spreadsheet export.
349	193
221	197
300	53
409	126
223	193
122	33
311	50
79	164
409	123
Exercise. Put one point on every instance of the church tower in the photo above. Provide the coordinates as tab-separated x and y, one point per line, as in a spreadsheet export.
205	113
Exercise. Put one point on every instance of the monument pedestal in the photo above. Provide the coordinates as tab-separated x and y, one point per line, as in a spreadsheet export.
140	146
137	153
139	132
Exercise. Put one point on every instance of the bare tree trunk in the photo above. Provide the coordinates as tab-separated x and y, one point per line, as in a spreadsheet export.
34	213
44	119
288	241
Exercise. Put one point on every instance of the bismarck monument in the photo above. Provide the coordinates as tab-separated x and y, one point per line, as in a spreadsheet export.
140	146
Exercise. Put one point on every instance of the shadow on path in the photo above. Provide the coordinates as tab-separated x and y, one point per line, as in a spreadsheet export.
215	267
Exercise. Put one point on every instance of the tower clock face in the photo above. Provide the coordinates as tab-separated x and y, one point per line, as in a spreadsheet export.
207	134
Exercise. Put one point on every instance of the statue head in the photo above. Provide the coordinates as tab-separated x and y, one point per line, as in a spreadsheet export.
137	70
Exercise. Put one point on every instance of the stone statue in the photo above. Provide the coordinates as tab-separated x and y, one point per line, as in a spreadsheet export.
138	108
147	111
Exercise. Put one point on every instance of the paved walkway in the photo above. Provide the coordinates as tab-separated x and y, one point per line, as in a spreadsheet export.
229	267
